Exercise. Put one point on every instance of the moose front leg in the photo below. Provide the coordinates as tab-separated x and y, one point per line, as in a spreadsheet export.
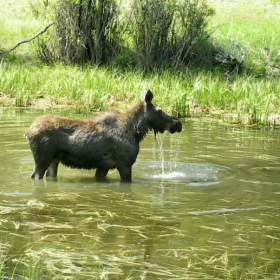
125	172
41	167
101	172
39	172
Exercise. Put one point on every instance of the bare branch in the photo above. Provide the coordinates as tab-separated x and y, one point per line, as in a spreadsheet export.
27	41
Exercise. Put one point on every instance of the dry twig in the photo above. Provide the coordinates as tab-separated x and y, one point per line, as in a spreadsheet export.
27	41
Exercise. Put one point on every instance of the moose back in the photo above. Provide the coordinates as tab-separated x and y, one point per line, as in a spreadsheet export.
107	141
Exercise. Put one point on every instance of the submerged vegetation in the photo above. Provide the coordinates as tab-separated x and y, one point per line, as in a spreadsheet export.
51	231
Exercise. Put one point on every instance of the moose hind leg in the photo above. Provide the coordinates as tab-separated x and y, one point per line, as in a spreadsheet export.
52	169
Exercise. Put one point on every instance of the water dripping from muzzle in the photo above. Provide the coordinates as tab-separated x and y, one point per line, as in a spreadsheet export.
158	150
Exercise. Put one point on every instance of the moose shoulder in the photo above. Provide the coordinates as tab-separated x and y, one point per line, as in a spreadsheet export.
107	141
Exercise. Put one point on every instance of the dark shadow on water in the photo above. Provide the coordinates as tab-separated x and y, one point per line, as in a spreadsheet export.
78	184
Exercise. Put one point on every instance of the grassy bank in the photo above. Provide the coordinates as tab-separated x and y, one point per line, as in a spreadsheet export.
243	99
248	98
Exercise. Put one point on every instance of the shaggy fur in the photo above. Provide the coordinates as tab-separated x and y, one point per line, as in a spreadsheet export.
107	141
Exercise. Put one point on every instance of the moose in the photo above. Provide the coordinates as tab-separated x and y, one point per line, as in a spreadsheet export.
106	141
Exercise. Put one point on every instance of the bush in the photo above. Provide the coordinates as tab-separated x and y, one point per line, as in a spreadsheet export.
190	35
85	30
150	31
152	34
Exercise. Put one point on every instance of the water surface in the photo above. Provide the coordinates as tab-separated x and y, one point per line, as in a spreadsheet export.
203	204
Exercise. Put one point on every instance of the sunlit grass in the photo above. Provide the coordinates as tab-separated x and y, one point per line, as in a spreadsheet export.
249	98
243	100
252	27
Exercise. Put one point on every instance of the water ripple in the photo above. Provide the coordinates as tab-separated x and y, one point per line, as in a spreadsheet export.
194	174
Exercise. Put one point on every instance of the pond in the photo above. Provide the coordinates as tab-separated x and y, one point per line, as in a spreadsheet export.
203	204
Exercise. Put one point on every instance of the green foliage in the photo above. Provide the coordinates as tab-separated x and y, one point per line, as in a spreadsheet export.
150	29
124	61
241	99
251	97
22	100
85	30
254	33
157	33
169	34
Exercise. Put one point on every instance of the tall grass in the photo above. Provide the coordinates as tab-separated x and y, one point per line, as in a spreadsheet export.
22	268
251	98
250	26
92	88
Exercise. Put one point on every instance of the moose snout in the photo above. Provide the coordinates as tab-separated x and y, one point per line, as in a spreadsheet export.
176	127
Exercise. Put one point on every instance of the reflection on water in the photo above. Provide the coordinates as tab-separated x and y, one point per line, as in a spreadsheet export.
203	204
222	210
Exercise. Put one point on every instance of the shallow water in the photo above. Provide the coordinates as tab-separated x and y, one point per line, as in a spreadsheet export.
203	204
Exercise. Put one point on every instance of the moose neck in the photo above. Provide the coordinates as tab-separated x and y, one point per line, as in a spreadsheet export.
136	123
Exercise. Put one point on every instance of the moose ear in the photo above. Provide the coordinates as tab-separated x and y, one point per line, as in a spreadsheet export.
147	96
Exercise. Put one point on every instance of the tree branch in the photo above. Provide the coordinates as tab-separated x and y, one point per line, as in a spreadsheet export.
27	41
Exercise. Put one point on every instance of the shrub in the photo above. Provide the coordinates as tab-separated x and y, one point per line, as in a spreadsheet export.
152	33
85	30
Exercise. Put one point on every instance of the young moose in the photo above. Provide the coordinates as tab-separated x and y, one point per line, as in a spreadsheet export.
107	141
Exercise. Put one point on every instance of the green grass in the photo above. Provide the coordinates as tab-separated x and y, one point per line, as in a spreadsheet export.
250	26
19	268
243	99
93	88
249	98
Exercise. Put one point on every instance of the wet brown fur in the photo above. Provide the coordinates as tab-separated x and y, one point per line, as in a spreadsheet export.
109	140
